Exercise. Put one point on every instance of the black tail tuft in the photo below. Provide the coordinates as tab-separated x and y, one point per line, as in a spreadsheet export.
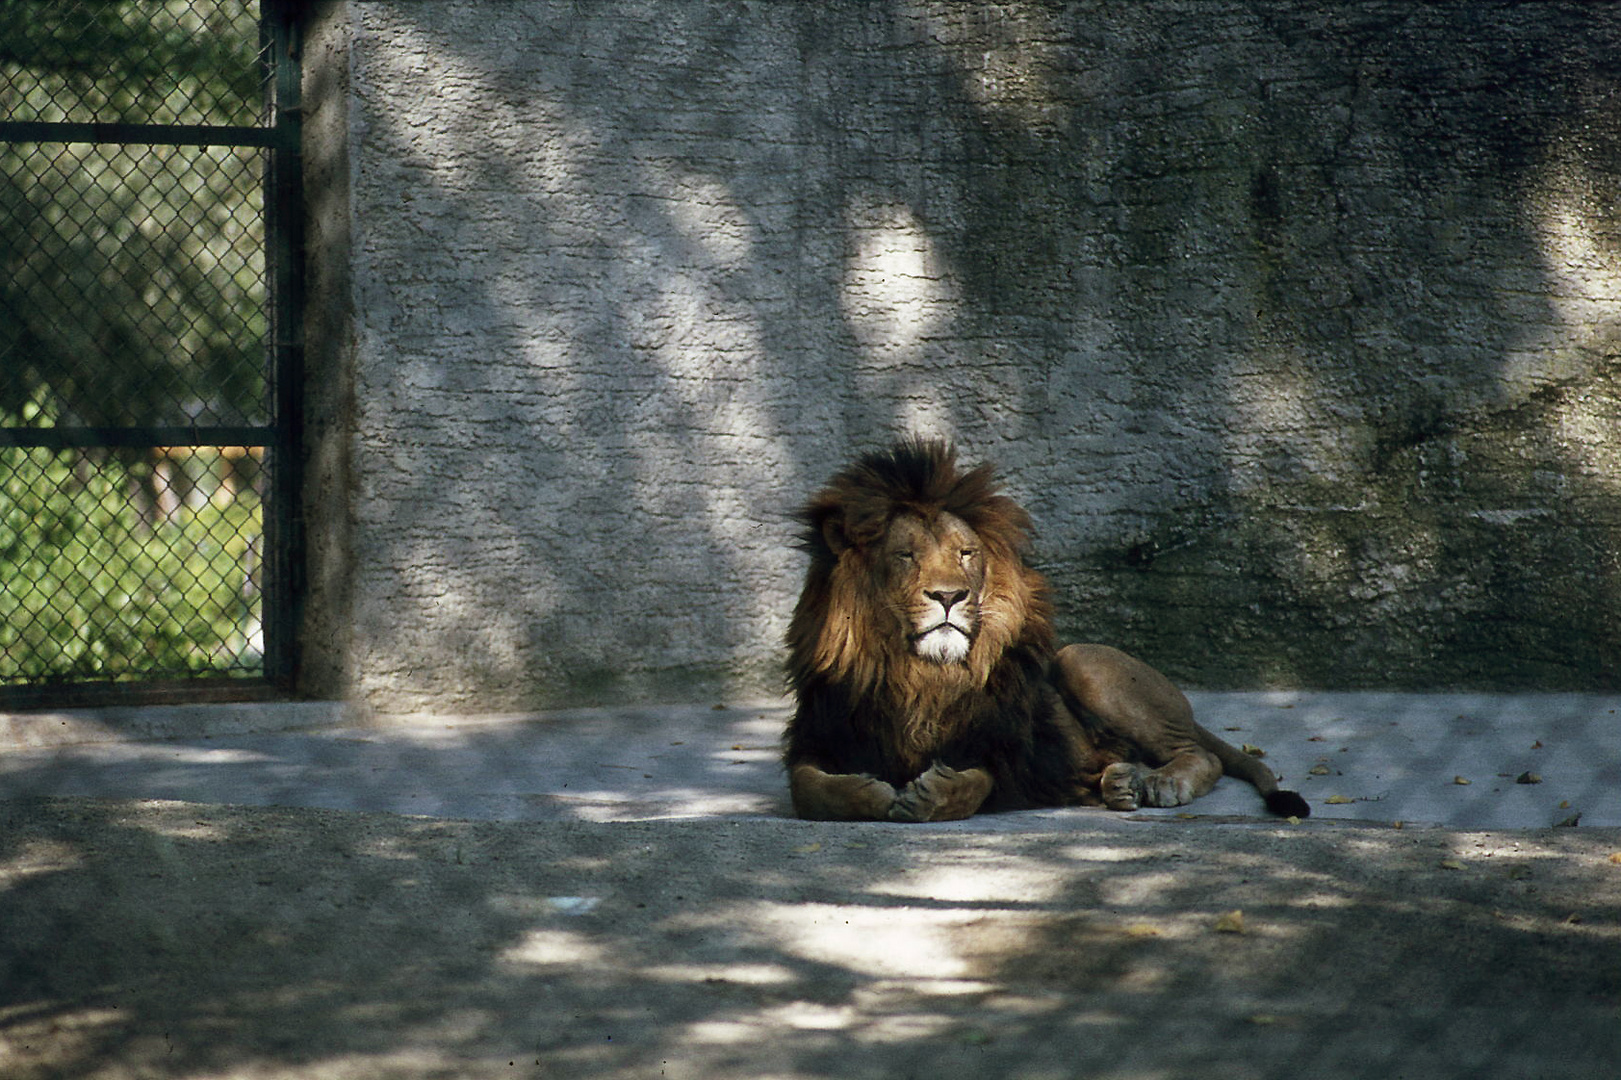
1287	804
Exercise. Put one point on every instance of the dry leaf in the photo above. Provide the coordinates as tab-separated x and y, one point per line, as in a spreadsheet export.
1528	778
1398	824
1319	770
1450	864
1615	857
1253	751
1292	820
1140	929
1338	800
807	849
1230	923
1460	780
1564	804
1537	745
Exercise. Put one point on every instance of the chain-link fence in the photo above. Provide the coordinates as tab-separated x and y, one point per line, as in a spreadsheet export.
146	310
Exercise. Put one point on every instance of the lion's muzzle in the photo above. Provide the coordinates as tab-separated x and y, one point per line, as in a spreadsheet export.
949	632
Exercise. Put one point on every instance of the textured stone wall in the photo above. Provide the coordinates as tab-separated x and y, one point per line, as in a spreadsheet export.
1296	325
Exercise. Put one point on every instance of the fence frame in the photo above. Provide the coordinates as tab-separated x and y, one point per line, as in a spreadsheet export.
283	565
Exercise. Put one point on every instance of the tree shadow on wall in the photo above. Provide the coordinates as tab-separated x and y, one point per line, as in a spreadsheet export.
1262	313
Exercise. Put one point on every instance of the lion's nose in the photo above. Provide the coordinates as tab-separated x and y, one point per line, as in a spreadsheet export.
946	598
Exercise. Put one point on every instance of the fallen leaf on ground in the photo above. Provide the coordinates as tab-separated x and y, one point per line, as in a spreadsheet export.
1461	780
1319	770
1450	864
1254	751
1615	857
1140	929
1528	778
1230	923
807	849
1338	800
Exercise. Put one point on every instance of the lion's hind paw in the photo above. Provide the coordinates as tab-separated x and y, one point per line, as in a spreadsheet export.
1122	786
1126	785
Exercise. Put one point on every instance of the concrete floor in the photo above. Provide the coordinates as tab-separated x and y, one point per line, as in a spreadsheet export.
620	894
1437	759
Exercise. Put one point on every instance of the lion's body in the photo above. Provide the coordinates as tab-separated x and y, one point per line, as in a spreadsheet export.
927	679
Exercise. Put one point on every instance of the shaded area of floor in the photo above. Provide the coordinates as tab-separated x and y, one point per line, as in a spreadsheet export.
621	894
161	939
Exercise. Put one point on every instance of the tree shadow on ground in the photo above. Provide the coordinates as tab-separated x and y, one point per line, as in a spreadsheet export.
163	940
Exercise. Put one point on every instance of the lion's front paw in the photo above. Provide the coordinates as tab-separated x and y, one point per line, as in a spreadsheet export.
942	794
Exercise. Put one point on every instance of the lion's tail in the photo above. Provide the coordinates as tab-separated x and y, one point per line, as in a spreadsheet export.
1246	767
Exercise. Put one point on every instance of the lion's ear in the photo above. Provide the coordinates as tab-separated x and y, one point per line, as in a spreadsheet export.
833	534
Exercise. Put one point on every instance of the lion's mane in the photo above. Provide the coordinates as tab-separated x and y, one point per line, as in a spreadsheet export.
866	704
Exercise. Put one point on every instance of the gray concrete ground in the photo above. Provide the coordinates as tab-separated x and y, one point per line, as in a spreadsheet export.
619	893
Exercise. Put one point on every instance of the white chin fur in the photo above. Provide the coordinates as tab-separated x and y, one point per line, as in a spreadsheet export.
943	646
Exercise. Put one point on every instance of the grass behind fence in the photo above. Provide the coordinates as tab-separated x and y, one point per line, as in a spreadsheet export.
96	586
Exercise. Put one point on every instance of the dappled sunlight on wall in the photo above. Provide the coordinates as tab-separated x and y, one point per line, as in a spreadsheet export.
899	301
1011	59
1573	208
571	430
1294	331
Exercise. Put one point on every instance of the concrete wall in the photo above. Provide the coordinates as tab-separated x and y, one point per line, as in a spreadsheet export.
1298	329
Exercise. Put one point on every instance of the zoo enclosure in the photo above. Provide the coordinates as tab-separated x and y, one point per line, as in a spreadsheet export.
149	350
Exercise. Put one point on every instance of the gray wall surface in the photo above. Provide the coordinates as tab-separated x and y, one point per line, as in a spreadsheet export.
1295	325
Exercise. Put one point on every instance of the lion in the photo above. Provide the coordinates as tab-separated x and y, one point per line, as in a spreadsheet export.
927	680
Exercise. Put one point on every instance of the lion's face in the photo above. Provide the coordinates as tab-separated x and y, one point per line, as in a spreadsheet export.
916	588
933	574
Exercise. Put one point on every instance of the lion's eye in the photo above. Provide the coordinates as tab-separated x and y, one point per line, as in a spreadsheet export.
969	554
904	556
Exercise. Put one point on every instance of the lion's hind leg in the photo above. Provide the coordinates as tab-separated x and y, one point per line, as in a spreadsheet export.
1145	720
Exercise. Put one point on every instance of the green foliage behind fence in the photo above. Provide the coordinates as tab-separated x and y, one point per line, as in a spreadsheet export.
92	588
